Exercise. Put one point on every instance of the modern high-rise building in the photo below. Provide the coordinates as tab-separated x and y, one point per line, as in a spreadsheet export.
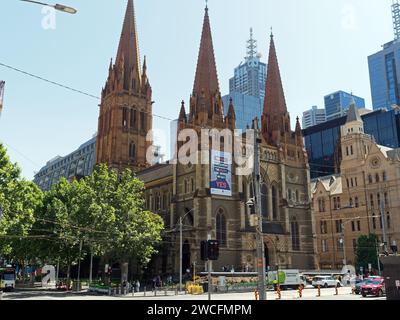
313	117
78	163
384	72
247	87
337	104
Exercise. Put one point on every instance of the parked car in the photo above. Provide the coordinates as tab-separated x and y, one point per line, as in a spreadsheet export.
373	287
359	284
325	281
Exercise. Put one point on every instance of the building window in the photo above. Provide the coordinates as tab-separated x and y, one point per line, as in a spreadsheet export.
351	150
357	204
371	198
339	226
388	220
324	227
125	117
132	150
378	197
289	194
264	201
384	177
192	184
386	199
275	203
358	225
348	184
351	202
370	178
324	245
297	196
355	181
374	222
377	177
321	205
221	228
353	226
133	119
142	122
295	235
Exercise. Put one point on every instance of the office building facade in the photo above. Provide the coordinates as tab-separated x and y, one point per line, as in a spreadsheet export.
322	142
313	117
384	75
337	104
78	163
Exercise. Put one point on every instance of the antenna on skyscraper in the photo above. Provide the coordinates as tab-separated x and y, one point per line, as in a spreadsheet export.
396	19
251	46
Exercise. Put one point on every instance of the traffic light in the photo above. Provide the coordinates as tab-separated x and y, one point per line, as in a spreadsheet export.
204	251
213	250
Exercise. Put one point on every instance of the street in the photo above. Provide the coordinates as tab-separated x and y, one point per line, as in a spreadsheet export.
308	294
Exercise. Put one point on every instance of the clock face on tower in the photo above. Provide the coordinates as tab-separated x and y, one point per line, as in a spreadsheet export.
375	162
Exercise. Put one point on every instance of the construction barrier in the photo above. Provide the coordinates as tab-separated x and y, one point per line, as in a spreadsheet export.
195	289
300	290
278	291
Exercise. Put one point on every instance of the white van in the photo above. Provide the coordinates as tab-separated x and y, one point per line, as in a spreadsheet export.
287	279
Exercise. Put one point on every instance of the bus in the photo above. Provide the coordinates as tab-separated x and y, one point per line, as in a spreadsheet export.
7	279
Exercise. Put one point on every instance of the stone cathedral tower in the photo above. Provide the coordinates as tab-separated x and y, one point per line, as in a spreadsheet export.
126	105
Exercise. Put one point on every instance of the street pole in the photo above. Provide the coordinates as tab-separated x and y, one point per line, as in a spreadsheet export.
209	268
180	254
377	256
58	270
79	266
344	246
91	267
257	203
383	224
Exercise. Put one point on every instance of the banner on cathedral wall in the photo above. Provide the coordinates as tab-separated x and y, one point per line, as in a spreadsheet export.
2	85
221	173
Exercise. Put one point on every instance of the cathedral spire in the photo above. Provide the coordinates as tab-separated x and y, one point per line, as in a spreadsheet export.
274	96
206	79
128	49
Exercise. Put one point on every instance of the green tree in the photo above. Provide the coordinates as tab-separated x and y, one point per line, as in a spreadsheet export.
367	251
132	231
19	199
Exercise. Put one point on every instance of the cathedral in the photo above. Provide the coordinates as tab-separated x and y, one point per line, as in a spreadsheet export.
178	191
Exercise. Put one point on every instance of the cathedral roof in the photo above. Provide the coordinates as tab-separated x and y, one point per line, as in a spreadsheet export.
128	49
274	95
206	78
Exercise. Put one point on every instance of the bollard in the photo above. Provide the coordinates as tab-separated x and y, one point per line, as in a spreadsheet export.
165	292
115	291
278	291
319	291
300	292
109	291
176	291
155	291
145	288
256	294
1	295
133	292
353	290
336	291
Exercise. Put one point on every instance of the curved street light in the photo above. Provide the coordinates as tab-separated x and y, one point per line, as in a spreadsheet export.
59	7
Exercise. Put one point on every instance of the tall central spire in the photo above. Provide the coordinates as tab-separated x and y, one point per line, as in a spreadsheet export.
206	78
128	49
275	102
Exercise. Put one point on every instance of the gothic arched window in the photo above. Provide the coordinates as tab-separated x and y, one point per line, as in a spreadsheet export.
221	227
295	235
264	201
275	203
132	150
251	196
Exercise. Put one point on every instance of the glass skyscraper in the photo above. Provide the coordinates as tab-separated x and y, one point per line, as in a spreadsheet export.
247	87
337	104
384	76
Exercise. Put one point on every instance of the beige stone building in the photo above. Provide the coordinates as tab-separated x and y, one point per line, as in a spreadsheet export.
363	199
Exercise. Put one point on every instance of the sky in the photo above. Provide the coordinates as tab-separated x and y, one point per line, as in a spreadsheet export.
322	47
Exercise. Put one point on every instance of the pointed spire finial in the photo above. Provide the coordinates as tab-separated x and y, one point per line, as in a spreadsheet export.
272	33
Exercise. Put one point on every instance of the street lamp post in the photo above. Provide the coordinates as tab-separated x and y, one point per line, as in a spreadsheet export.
59	7
180	247
344	237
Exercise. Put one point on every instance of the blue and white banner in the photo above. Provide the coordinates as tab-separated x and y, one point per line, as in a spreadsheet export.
221	173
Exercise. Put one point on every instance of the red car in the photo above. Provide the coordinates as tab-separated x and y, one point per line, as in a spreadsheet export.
373	287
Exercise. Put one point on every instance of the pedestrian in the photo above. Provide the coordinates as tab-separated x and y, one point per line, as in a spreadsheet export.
137	286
